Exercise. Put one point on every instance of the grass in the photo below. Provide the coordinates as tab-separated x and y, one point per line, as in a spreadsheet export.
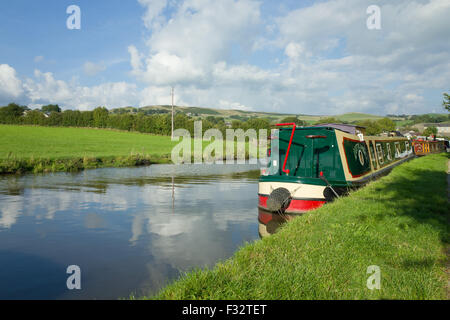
355	116
57	143
399	223
402	123
50	149
42	149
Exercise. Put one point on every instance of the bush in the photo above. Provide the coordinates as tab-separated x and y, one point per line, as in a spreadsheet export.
11	114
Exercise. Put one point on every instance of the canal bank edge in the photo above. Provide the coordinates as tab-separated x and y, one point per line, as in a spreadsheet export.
398	223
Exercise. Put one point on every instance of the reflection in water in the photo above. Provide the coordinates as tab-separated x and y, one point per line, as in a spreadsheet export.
269	223
129	230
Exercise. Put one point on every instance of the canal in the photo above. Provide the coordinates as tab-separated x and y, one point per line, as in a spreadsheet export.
130	230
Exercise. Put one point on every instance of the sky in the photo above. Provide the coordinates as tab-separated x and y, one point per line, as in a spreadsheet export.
301	57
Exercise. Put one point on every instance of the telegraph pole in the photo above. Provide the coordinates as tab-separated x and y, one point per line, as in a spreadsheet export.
172	113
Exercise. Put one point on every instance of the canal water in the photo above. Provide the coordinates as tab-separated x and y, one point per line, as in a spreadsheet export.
130	230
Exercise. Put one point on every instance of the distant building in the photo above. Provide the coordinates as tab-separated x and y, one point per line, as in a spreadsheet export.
443	129
409	134
395	134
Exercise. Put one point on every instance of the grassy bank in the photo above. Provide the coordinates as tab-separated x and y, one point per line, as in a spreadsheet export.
49	149
41	149
399	223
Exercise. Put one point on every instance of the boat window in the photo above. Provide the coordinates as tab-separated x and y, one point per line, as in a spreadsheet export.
398	152
380	153
388	153
372	155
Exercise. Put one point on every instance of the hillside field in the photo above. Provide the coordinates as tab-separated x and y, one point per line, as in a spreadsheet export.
273	117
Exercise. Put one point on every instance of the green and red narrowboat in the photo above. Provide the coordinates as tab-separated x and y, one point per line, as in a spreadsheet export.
310	166
424	147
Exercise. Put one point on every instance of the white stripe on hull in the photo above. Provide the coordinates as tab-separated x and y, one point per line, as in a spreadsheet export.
297	190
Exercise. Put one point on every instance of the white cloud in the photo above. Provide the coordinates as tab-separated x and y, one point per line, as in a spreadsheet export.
92	69
200	34
154	8
111	95
374	70
233	106
157	95
319	59
10	85
47	88
44	88
334	63
38	59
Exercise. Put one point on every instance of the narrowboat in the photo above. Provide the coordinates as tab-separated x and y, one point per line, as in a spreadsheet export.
424	147
310	166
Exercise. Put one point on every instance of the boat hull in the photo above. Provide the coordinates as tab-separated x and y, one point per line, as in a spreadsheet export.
305	197
319	171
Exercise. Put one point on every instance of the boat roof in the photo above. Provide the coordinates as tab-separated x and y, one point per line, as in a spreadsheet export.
349	128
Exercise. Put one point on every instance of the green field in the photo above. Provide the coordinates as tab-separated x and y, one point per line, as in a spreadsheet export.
44	149
56	143
399	223
50	149
402	123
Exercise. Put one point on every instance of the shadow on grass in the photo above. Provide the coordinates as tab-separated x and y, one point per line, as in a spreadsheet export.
418	263
419	192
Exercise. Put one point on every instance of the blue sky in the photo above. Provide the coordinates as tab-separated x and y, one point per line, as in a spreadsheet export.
29	29
309	57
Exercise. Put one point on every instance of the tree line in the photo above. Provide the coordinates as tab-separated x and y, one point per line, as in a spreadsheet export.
158	123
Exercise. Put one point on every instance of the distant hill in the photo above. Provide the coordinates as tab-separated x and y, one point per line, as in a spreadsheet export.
231	114
356	116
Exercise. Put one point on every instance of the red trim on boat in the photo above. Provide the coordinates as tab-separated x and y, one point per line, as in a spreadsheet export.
263	201
296	205
289	146
304	205
264	217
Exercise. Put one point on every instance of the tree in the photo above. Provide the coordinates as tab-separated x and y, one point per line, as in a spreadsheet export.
295	120
11	113
446	102
256	124
50	108
430	131
101	115
236	124
54	119
372	127
34	117
386	125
